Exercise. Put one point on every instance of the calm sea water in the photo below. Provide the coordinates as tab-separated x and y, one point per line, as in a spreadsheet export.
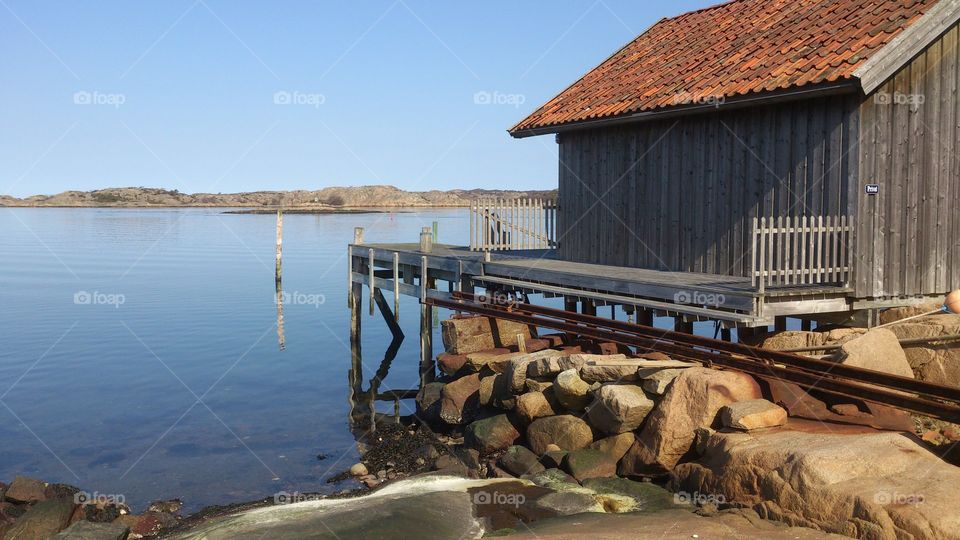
139	353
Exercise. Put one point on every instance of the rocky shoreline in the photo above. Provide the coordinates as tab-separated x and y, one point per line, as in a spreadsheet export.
542	427
329	199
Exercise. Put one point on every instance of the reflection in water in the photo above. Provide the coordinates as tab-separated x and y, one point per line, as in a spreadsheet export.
280	337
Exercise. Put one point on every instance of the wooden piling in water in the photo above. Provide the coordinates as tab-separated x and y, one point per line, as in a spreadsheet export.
279	270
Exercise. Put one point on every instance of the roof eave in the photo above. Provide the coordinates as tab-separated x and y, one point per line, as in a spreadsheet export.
825	89
886	62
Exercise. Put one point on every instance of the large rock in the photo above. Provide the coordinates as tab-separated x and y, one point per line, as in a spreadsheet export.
25	489
692	401
514	366
460	399
490	360
589	463
471	334
491	434
533	405
879	350
518	461
551	366
618	408
932	362
752	414
607	368
657	382
428	401
888	316
572	392
851	481
451	363
43	520
485	393
85	530
795	339
566	431
615	446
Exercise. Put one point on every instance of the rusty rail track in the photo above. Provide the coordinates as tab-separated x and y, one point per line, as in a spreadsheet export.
934	400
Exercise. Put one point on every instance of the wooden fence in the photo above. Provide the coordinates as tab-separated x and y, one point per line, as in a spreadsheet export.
509	224
805	250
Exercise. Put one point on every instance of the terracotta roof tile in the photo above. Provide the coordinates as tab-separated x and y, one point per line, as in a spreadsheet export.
733	49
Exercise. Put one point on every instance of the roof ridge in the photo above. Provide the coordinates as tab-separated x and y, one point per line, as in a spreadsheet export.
708	8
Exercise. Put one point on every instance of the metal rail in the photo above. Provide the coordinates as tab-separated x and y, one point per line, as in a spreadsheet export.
921	397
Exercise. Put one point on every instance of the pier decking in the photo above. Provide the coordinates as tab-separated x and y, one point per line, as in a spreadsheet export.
734	301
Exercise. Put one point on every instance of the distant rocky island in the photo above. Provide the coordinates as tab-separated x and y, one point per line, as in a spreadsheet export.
329	199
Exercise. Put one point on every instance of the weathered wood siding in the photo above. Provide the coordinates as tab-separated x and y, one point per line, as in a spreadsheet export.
680	194
909	233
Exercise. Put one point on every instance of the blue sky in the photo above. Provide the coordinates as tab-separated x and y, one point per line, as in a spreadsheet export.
225	96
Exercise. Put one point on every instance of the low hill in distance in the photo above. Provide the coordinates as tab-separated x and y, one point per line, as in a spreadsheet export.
327	198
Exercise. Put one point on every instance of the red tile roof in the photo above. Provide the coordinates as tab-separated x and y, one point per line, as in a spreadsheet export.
733	49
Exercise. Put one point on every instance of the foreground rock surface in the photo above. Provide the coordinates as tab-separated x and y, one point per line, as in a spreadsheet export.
664	524
865	485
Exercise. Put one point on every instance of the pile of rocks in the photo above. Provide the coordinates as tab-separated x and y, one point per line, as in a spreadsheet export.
595	410
32	509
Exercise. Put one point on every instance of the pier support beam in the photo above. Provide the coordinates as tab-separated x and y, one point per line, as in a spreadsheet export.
780	324
644	317
427	374
679	325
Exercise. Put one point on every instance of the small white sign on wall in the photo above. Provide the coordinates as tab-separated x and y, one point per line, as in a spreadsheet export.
872	189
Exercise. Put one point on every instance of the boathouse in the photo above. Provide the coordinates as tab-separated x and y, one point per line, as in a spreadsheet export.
804	144
739	164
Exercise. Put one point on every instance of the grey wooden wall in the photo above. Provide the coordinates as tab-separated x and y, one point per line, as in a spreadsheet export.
909	233
680	194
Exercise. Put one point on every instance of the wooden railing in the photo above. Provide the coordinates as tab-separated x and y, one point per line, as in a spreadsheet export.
510	224
806	250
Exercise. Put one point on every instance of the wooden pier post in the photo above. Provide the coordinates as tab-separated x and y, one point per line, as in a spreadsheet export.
780	323
279	270
680	325
426	240
645	317
427	373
